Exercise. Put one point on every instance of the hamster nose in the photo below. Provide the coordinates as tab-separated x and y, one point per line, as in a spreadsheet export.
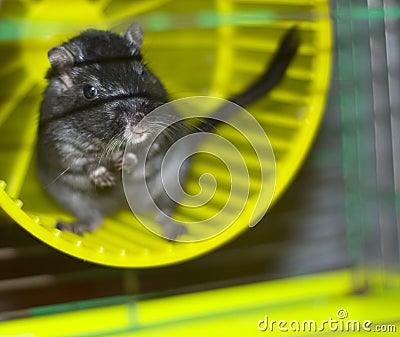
139	128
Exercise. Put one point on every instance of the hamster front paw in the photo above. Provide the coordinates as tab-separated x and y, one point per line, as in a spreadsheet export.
126	163
101	177
129	162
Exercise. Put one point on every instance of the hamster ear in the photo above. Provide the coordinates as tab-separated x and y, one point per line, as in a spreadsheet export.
134	35
60	58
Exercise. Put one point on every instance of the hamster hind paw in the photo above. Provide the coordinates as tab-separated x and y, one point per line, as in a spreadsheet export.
171	230
79	228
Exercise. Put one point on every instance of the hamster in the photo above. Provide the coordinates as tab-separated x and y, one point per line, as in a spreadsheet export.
99	89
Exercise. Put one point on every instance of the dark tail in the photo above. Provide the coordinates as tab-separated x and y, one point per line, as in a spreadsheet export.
273	74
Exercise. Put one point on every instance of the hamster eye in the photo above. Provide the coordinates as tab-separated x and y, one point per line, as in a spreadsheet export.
89	91
144	75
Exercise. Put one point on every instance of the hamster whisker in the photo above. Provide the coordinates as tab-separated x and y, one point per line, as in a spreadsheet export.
167	132
111	147
58	177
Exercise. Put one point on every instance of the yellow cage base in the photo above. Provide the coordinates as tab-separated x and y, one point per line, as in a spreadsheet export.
237	311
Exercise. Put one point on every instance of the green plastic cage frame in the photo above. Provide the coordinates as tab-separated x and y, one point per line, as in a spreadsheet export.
231	40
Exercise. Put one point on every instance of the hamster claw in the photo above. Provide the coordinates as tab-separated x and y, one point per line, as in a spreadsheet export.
118	160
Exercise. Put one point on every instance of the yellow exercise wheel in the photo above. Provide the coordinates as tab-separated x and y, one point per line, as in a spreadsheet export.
212	47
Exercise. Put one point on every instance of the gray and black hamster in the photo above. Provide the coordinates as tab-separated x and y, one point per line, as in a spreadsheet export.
99	89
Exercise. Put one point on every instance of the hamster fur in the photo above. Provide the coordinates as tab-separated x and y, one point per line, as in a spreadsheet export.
99	89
